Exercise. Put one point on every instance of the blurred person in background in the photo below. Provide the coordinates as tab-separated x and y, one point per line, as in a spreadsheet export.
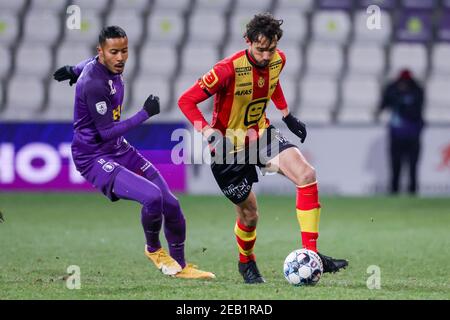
404	97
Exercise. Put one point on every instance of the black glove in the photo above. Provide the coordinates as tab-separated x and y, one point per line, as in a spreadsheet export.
66	73
296	126
220	145
151	105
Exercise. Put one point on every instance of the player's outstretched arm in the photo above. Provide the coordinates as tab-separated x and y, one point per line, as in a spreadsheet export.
71	73
111	130
296	126
65	73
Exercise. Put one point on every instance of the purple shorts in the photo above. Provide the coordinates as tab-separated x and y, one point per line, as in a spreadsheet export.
104	170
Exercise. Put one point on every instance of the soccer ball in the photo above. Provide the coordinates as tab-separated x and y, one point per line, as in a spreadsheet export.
302	267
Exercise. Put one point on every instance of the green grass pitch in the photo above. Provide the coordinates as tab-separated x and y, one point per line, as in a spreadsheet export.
43	234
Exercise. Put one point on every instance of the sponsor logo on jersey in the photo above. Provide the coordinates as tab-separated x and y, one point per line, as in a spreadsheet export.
210	79
243	92
117	112
101	107
275	63
255	111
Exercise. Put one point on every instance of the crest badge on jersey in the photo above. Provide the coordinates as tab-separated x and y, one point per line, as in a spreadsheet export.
261	82
210	79
101	107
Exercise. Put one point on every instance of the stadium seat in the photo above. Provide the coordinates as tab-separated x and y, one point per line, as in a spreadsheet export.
252	6
165	28
90	28
331	26
22	106
61	101
33	60
414	26
440	61
362	34
294	59
323	59
234	46
5	57
410	56
50	5
135	5
318	98
437	109
92	7
443	27
220	6
68	54
295	26
173	5
366	60
41	27
200	32
158	61
383	4
9	28
419	4
301	5
145	85
197	60
12	7
336	4
238	23
131	21
360	98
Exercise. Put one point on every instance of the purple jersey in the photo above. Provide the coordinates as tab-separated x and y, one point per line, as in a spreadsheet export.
98	105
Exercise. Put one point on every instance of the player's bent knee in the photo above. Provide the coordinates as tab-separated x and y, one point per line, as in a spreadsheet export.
307	176
154	200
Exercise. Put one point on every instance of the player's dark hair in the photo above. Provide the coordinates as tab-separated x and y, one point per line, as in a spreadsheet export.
111	32
266	25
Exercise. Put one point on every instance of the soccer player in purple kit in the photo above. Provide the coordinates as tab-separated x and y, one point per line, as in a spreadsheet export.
111	164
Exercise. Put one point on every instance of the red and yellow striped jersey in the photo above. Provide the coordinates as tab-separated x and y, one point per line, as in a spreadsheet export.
241	90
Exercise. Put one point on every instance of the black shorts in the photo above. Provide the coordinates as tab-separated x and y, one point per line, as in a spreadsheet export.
236	179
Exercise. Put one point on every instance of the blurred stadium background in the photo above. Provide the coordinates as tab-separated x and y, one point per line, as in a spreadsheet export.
333	78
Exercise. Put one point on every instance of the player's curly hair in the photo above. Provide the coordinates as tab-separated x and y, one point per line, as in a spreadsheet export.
264	24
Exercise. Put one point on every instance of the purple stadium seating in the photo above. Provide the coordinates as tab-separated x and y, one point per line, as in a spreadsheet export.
419	4
414	26
336	4
383	4
443	29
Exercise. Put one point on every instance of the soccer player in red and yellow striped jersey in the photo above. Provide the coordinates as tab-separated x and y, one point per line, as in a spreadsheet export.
242	85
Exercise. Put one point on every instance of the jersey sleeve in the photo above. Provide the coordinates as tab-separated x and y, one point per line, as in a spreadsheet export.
278	97
206	86
101	111
216	78
80	66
